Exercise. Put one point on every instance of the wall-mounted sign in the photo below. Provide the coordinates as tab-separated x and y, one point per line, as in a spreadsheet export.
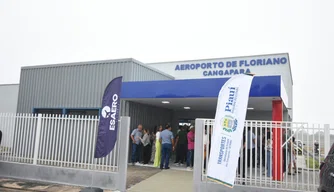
232	67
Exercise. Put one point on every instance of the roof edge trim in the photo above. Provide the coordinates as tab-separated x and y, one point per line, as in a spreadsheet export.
77	63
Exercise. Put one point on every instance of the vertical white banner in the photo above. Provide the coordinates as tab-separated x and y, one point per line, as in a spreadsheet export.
228	129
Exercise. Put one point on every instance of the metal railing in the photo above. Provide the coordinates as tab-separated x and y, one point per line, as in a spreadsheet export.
295	166
53	140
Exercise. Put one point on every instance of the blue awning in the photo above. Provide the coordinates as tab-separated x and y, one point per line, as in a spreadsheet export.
262	86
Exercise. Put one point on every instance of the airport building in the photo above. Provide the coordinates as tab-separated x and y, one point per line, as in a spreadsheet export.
154	93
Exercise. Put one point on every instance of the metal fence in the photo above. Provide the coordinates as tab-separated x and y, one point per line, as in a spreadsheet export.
53	140
294	167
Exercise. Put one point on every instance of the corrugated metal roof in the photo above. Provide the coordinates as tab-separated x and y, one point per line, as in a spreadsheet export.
97	62
77	85
79	63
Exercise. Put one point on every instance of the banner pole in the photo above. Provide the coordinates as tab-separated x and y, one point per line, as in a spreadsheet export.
228	129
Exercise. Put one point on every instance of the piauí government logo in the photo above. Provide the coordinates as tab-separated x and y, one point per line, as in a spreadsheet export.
229	123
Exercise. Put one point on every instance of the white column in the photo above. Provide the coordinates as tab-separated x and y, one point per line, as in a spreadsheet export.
199	155
327	144
123	144
37	138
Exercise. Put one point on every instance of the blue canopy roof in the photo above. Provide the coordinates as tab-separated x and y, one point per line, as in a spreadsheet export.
262	86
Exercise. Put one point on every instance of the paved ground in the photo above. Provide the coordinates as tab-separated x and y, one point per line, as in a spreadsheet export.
139	174
166	181
180	180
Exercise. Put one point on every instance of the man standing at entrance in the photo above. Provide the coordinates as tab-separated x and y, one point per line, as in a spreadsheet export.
167	141
136	144
181	146
191	145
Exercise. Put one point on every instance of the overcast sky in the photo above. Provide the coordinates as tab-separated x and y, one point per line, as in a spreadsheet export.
48	32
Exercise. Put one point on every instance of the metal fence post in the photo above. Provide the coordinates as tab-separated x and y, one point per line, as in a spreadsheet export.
199	155
327	144
37	138
123	144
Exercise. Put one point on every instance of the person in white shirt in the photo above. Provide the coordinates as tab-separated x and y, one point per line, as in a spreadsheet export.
292	162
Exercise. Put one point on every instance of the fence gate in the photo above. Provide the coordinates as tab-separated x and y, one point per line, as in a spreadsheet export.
300	157
60	149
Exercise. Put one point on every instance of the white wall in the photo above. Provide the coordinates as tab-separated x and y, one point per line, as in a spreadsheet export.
179	69
8	104
8	98
182	69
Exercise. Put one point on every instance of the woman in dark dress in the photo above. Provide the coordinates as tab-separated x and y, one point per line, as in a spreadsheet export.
242	167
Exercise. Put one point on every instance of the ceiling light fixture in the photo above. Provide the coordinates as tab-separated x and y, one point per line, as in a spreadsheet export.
186	107
250	108
165	102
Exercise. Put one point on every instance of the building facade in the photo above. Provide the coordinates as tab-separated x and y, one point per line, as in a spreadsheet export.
157	93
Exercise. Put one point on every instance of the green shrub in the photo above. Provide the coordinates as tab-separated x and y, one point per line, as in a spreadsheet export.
313	163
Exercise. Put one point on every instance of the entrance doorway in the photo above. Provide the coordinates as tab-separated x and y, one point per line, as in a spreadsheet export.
187	122
179	156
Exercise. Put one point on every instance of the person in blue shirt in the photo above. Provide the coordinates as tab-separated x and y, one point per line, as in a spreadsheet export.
167	141
136	144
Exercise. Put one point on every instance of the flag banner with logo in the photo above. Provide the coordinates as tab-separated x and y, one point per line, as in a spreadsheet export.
228	129
109	116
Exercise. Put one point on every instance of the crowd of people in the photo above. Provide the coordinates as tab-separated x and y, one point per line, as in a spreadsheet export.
263	155
156	147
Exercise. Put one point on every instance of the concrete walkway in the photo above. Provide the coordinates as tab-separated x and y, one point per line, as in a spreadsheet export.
166	181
